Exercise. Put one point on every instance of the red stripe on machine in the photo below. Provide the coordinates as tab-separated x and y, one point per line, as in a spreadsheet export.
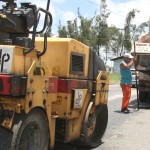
13	85
53	85
5	87
66	85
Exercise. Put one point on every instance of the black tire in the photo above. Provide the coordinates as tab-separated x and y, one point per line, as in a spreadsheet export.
32	133
94	130
142	96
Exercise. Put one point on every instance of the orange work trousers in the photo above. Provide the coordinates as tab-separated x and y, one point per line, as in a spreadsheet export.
126	91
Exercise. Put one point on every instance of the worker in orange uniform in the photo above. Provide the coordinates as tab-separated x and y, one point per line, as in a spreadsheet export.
126	79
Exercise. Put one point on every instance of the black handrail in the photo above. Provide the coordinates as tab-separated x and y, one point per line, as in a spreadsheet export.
45	27
45	20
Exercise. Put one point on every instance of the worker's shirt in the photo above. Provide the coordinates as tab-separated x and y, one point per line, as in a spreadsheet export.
126	76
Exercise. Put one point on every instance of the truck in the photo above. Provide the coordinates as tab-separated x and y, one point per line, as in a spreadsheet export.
141	50
52	90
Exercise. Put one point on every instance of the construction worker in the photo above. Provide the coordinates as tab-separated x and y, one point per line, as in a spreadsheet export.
126	79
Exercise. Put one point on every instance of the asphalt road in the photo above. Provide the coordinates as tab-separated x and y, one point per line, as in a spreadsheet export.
116	118
116	122
124	131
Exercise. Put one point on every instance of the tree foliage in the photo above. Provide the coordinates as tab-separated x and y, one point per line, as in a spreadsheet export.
102	38
127	29
62	30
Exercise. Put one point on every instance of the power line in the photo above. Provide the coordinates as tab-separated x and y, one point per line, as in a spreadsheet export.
93	3
110	11
99	6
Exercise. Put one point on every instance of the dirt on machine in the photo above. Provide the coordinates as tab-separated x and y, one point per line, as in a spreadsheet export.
51	89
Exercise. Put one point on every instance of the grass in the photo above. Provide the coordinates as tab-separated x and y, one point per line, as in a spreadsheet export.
114	78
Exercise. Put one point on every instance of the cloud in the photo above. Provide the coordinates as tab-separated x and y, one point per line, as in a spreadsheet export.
119	11
68	15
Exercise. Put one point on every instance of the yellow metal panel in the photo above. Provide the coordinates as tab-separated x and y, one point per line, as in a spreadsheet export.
63	105
102	87
80	48
52	125
22	63
19	61
38	96
58	54
29	59
74	126
56	57
37	86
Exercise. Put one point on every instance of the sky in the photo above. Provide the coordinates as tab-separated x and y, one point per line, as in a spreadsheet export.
63	10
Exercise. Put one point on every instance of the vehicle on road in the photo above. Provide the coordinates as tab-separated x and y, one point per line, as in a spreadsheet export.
51	89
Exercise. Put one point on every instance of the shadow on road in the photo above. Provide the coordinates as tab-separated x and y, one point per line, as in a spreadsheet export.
132	104
5	138
70	147
59	146
142	105
118	111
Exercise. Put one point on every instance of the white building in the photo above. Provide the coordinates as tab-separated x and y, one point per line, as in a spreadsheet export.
117	61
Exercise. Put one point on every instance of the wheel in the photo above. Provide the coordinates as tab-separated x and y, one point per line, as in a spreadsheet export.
32	133
95	127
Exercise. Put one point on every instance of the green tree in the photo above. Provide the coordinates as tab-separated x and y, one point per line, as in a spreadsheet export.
62	31
137	31
127	30
101	28
85	29
72	29
116	40
96	33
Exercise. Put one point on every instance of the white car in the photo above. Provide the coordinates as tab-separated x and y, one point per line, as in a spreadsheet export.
135	76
